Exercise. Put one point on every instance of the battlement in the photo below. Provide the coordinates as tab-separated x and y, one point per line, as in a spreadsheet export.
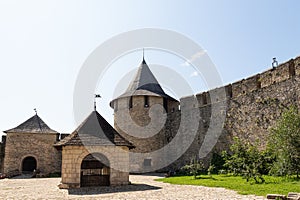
281	73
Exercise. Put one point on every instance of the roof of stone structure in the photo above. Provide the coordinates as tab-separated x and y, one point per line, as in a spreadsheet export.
94	131
33	125
145	83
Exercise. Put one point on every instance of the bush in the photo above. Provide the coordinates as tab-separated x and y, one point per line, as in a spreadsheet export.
218	162
246	160
210	170
195	168
284	142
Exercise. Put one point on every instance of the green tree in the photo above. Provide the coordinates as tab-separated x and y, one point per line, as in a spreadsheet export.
195	167
284	142
246	160
218	162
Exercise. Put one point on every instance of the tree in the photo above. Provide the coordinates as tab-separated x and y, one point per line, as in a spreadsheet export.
217	161
195	167
284	142
246	160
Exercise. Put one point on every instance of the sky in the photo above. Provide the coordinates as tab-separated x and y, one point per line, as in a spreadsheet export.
43	45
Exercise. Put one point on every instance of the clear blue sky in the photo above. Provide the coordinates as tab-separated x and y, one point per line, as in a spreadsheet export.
43	44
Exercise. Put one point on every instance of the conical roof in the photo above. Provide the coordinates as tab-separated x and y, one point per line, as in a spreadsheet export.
144	83
94	131
145	80
33	125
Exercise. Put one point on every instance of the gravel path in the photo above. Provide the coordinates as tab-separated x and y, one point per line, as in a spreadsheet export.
143	187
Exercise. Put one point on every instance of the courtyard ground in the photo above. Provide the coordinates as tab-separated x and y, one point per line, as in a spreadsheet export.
143	187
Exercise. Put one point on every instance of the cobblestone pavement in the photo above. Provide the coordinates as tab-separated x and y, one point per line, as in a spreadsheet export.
143	187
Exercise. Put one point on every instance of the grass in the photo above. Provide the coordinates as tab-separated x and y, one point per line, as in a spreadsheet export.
273	185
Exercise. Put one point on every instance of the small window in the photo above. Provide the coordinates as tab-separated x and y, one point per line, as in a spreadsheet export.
204	100
147	162
146	101
165	104
130	102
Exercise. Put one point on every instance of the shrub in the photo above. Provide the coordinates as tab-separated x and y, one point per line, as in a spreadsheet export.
195	168
246	160
284	142
218	162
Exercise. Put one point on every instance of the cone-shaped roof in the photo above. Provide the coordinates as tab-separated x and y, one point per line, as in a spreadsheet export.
144	83
94	131
145	80
33	125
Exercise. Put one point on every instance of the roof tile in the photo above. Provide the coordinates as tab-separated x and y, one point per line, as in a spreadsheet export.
33	125
94	130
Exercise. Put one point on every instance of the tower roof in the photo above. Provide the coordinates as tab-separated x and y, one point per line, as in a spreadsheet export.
33	125
145	83
94	131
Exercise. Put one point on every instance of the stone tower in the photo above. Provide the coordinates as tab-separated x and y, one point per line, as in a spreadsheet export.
141	114
29	147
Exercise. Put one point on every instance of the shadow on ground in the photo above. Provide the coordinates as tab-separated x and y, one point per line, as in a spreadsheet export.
107	190
22	176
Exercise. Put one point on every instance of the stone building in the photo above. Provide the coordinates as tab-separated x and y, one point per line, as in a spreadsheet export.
29	147
95	154
137	113
2	149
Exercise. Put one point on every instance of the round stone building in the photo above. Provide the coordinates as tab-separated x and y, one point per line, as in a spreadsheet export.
140	116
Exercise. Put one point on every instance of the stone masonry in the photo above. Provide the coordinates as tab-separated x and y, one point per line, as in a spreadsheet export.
95	136
2	149
72	157
40	146
31	139
247	109
250	108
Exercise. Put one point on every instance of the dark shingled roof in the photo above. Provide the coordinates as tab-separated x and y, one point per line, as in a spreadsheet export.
144	83
94	131
33	125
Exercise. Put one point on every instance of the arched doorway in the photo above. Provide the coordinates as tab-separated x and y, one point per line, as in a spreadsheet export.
28	164
95	171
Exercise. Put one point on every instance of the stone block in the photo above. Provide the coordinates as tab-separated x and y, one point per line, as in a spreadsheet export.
293	196
276	196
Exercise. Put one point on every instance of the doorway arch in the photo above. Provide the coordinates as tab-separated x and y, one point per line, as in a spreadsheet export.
29	164
95	171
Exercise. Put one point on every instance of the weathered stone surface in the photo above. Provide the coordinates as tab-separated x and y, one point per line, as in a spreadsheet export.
276	196
38	145
72	157
139	116
252	106
293	196
2	150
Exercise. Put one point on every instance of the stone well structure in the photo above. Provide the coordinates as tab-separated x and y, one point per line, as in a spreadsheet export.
95	154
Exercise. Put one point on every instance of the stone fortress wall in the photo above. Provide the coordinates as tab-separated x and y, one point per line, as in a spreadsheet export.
252	107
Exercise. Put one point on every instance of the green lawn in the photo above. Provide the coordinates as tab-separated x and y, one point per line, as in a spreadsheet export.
273	185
